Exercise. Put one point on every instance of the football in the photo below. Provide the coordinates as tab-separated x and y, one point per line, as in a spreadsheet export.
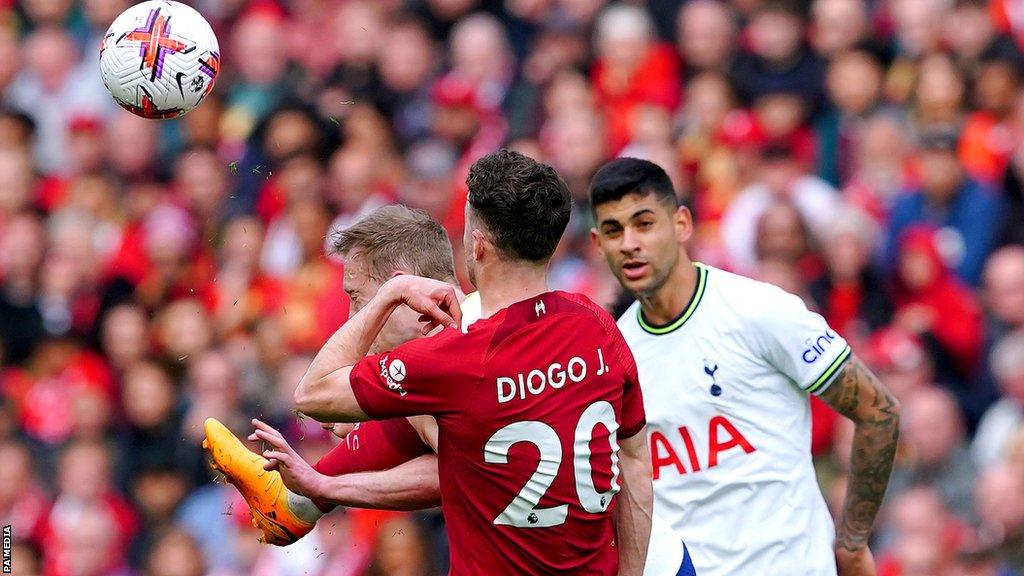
159	59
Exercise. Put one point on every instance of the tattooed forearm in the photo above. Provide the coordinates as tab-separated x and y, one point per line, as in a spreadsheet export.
859	396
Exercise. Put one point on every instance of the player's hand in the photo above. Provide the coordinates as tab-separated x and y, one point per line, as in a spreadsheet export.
858	562
436	301
298	475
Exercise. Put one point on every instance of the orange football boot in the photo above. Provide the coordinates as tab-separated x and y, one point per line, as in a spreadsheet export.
264	491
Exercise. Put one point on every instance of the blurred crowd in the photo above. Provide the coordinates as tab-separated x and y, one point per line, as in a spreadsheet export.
867	155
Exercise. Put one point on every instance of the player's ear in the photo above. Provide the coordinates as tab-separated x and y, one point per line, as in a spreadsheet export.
479	244
684	224
594	240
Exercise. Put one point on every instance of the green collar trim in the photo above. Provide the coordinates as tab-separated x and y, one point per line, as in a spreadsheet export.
675	324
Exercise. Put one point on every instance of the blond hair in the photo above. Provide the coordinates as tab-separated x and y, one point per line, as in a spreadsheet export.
398	238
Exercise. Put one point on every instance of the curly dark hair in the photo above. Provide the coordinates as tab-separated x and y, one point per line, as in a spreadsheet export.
522	203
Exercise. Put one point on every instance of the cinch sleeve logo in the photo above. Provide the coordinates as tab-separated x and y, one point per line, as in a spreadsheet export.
817	346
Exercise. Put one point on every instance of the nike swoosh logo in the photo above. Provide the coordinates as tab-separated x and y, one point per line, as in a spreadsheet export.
181	88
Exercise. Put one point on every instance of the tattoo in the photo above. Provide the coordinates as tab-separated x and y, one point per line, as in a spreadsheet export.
859	396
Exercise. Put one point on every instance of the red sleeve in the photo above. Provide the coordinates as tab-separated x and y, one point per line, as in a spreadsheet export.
633	416
372	446
422	376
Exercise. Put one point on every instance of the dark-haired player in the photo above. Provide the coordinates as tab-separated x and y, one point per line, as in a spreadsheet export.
542	457
388	464
727	364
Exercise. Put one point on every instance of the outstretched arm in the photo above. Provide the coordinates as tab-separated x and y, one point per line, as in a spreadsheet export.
325	392
412	485
635	503
859	396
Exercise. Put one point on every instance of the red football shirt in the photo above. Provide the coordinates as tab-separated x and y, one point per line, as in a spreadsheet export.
529	404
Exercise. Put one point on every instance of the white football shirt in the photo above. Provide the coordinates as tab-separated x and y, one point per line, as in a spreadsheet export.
725	388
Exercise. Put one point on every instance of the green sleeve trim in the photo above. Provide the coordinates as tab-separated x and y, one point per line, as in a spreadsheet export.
831	371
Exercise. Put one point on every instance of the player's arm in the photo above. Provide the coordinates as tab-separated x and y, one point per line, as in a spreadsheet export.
857	394
411	485
325	391
800	344
635	504
372	446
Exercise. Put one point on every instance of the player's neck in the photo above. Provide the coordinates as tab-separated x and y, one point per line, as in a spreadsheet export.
502	286
668	302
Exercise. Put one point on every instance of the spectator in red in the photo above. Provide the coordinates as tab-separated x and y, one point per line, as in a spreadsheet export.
243	293
481	54
632	69
714	134
45	390
313	304
23	502
900	361
990	134
466	120
291	130
782	118
932	304
87	508
161	259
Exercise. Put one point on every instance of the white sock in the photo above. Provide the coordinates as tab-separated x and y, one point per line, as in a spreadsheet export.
303	507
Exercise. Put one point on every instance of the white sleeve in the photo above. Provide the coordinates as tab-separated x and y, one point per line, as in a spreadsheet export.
798	342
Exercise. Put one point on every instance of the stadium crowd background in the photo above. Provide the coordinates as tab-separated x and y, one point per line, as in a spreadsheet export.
866	155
